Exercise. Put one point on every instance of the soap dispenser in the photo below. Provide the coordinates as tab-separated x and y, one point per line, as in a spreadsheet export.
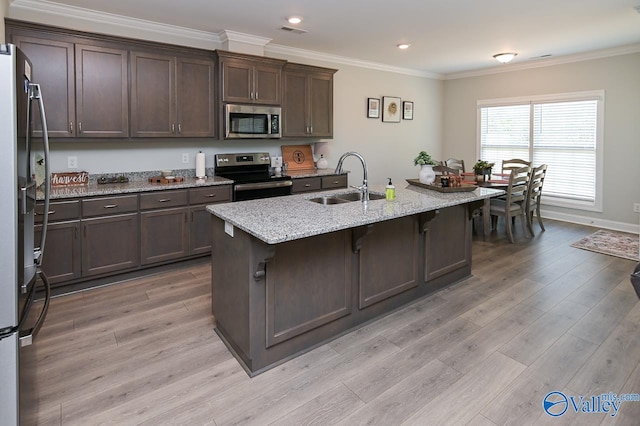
390	191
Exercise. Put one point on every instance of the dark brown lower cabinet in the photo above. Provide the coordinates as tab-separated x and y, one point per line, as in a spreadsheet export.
110	244
164	235
62	255
200	232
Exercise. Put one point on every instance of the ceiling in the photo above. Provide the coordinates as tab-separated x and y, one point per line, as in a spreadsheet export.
447	36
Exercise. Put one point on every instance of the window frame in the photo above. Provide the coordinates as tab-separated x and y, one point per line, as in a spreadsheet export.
597	95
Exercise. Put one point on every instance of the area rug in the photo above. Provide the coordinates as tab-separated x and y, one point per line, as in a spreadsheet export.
613	243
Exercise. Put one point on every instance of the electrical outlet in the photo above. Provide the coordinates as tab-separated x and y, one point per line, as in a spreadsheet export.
185	157
636	207
72	162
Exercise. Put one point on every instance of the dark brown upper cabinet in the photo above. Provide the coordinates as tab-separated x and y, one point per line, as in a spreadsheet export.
84	88
307	101
102	96
249	79
171	96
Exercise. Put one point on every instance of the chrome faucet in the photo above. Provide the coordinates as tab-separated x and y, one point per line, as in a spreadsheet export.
364	188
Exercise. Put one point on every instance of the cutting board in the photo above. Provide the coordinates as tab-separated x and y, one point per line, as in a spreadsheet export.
297	157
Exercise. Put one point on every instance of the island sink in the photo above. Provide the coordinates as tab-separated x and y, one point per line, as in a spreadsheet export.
345	198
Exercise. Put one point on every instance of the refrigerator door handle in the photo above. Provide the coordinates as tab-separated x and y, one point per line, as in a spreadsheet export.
27	339
35	94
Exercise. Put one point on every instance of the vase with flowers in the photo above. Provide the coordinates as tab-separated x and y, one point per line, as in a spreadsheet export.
482	169
426	176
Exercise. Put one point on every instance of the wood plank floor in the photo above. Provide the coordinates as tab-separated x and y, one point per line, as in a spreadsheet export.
536	316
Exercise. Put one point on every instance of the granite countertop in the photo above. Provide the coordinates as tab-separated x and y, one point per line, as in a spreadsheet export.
133	186
139	182
280	219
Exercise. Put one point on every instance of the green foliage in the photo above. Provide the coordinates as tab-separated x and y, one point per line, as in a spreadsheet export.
423	158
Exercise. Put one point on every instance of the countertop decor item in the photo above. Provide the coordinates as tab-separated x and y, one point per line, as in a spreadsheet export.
483	168
426	163
322	163
462	188
297	157
391	109
166	179
69	179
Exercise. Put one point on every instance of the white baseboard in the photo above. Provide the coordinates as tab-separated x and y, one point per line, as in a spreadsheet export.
590	221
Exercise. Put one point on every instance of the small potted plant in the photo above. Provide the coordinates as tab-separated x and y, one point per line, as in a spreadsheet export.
426	163
482	169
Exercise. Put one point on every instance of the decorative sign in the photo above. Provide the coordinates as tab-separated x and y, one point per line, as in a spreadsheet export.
69	179
297	157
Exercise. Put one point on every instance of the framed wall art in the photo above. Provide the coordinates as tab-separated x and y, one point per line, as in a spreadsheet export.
407	110
373	107
390	109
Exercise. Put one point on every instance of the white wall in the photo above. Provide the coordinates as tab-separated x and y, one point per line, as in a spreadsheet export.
618	76
4	12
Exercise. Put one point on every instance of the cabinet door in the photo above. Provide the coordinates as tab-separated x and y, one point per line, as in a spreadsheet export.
267	85
110	244
321	105
195	97
294	123
200	241
61	260
153	103
447	243
237	81
52	67
102	100
164	235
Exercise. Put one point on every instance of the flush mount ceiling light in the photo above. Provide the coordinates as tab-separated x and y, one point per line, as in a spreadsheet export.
403	46
294	20
504	57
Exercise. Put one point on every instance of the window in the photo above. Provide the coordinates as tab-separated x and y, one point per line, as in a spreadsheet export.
562	131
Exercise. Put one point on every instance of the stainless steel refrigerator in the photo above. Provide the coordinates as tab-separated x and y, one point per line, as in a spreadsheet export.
20	107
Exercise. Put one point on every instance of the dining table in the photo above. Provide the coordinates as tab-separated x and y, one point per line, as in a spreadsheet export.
499	181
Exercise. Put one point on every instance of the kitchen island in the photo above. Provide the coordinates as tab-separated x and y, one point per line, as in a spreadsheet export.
289	274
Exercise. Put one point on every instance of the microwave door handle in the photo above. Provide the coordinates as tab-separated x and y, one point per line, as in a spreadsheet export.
36	94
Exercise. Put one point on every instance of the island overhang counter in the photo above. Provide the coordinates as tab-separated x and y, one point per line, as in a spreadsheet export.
289	274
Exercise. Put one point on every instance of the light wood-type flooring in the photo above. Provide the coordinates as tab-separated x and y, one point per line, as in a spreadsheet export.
536	316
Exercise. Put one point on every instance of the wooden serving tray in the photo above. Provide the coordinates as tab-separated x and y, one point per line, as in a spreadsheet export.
297	157
162	179
463	188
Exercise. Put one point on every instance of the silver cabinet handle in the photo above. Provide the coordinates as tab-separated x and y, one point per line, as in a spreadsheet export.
179	128
80	126
173	128
110	206
256	96
307	185
71	127
164	200
211	195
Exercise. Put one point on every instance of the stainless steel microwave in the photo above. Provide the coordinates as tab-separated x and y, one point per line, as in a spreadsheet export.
252	121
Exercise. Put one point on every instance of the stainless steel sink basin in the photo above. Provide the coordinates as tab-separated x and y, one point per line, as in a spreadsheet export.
345	198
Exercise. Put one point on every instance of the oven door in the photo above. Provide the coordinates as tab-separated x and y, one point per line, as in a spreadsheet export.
252	191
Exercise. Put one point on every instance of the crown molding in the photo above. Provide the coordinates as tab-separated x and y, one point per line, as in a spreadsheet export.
234	36
547	62
319	56
43	9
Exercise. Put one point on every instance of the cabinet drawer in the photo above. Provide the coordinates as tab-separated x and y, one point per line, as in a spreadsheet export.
109	205
59	210
329	182
210	194
162	199
306	184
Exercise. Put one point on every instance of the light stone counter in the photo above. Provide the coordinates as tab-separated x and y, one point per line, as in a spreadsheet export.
280	219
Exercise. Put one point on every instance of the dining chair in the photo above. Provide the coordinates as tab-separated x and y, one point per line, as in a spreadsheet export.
514	203
454	163
534	193
445	170
514	163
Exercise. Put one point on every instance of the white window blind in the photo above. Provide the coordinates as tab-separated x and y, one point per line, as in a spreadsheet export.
564	134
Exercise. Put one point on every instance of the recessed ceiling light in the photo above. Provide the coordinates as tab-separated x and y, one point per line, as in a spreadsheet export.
404	46
504	57
294	20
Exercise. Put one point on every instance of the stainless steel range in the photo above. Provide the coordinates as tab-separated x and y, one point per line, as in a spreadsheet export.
252	176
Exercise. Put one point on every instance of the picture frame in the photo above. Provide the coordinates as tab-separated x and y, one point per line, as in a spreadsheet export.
373	107
391	109
407	110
